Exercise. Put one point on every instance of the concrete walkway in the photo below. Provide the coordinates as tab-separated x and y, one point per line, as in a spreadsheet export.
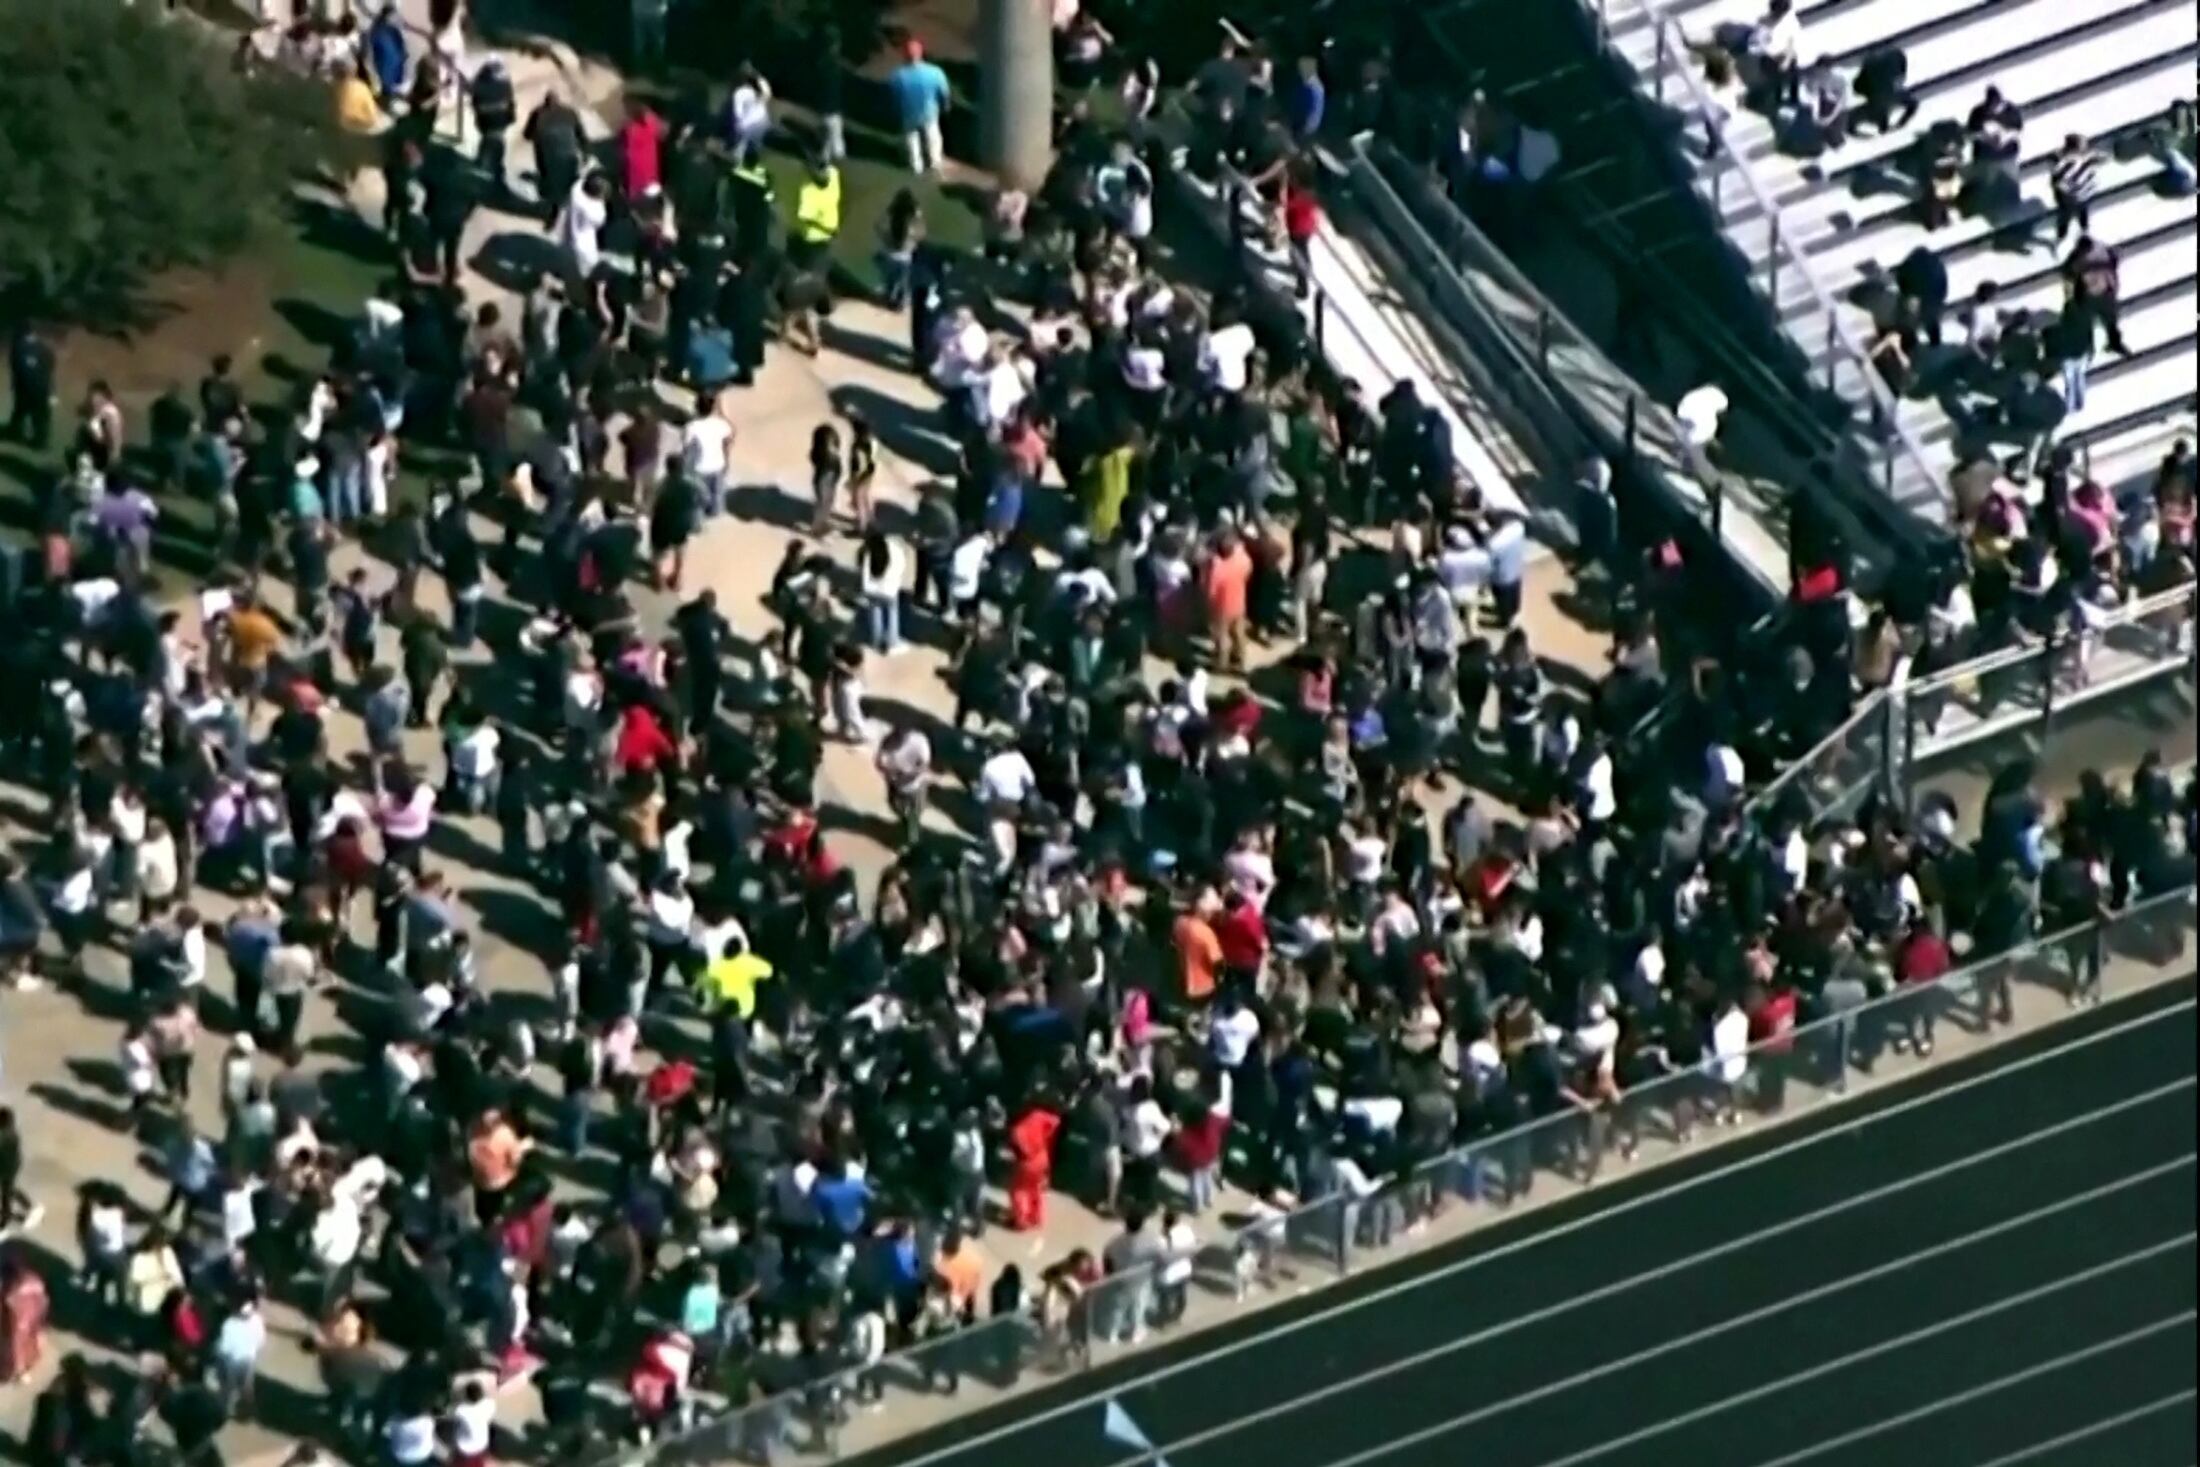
56	1049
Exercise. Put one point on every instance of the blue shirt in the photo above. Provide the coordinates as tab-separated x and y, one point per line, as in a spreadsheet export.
1309	104
842	1202
920	93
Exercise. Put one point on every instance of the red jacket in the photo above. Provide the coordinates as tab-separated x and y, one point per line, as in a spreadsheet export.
1922	958
641	144
643	742
1243	935
1199	1143
1774	1019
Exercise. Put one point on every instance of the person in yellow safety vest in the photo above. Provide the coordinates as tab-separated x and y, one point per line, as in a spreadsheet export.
816	213
732	981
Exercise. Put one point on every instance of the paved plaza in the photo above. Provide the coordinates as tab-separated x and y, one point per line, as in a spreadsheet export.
59	1049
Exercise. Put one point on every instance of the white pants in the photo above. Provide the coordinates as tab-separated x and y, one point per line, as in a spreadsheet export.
924	148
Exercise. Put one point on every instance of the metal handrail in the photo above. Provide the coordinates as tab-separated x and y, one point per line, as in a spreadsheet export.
751	1432
1884	404
2130	613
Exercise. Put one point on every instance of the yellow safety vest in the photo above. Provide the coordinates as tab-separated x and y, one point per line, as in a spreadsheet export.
817	209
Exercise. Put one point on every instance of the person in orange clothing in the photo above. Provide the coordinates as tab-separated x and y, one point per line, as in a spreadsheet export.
1229	574
1032	1141
1198	952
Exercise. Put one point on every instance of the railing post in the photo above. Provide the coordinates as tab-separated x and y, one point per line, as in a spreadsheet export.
1321	320
1772	264
1715	482
1893	769
1634	405
2047	685
1657	23
1833	359
1543	339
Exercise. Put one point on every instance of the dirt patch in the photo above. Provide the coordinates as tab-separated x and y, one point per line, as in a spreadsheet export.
192	316
948	28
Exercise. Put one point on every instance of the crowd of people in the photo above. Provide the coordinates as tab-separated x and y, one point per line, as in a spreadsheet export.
1201	883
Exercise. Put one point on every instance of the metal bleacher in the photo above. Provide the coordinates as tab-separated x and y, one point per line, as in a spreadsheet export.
2108	70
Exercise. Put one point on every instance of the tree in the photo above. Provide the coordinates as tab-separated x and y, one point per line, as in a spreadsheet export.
131	143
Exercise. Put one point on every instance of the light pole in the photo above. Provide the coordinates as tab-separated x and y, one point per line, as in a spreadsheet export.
1016	90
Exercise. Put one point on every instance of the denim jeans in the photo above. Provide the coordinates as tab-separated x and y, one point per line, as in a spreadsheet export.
882	622
465	615
1201	1180
347	490
713	487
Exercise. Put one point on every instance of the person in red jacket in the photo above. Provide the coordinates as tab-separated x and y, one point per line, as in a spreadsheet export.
1771	1008
1302	220
643	743
1031	1140
1921	960
641	150
1243	935
1199	1143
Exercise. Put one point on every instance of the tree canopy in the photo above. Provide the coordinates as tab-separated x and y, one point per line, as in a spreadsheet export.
131	143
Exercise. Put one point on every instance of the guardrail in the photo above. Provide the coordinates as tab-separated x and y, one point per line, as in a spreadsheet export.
1509	318
1848	371
1895	730
1472	1187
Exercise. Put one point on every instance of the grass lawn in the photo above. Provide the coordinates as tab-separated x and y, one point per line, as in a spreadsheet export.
868	185
275	310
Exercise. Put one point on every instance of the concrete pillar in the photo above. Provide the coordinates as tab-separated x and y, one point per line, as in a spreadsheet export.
1016	90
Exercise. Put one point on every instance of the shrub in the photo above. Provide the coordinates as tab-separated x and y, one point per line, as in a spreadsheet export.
130	144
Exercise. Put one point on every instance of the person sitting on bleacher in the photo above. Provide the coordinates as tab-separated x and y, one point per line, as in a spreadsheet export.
1922	280
1822	124
1894	350
1882	85
1996	130
2175	142
1940	177
1776	45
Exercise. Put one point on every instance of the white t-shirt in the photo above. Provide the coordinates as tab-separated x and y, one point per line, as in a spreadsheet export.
1233	1036
1006	779
475	754
1597	782
966	567
703	444
1228	351
1729	1046
471	1422
1149	1129
1145	369
1700	412
412	1440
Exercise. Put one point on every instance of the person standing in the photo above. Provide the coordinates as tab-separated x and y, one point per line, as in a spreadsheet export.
2074	179
554	131
705	443
496	109
826	471
921	97
17	1211
237	1348
1228	577
31	373
24	1309
1031	1140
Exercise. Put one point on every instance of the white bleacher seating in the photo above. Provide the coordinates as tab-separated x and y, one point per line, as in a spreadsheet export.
2108	70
